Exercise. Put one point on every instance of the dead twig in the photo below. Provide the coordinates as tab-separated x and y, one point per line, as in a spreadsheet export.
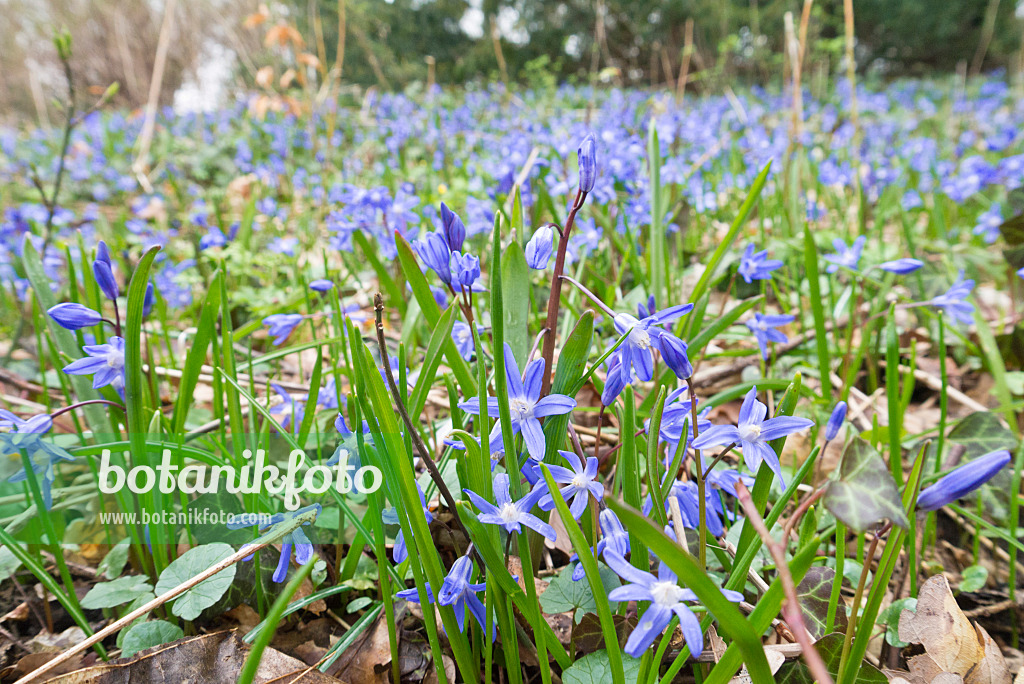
791	606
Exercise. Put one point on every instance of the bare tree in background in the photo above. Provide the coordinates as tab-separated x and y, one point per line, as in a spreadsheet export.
114	40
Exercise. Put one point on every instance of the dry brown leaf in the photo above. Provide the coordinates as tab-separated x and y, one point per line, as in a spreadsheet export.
942	628
992	668
208	658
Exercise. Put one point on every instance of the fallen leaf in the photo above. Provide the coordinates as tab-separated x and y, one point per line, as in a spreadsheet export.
992	668
208	658
949	639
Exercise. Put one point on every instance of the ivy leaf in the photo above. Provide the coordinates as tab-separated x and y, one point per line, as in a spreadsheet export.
194	561
149	634
563	595
980	433
864	492
974	578
117	592
595	669
813	594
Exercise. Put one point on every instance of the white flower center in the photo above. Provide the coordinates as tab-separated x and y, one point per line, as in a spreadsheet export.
666	593
580	481
640	338
750	433
520	407
115	359
509	513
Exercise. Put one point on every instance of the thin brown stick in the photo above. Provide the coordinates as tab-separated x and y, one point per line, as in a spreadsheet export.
791	606
414	435
112	628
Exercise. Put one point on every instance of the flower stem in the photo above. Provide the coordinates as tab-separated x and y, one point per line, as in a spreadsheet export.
702	504
554	298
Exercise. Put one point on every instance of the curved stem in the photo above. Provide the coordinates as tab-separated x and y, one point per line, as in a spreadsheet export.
551	323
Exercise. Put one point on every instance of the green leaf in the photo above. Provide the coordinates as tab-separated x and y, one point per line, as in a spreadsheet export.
830	649
134	386
113	563
563	594
596	669
515	295
205	330
194	561
974	579
9	563
890	619
149	634
813	593
358	604
428	374
864	492
117	592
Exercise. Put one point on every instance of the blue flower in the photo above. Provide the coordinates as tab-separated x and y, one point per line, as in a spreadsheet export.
321	285
901	266
752	433
586	157
102	270
988	224
757	266
291	409
434	251
677	414
296	539
580	483
457	591
511	515
961	481
462	335
74	316
673	351
454	230
105	362
952	301
845	256
281	326
26	436
763	327
616	381
644	334
465	269
614	539
401	551
835	421
525	404
666	598
538	249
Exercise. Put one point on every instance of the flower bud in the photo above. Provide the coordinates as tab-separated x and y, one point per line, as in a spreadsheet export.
835	421
961	481
105	279
673	351
149	300
454	228
901	266
538	249
587	157
74	316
